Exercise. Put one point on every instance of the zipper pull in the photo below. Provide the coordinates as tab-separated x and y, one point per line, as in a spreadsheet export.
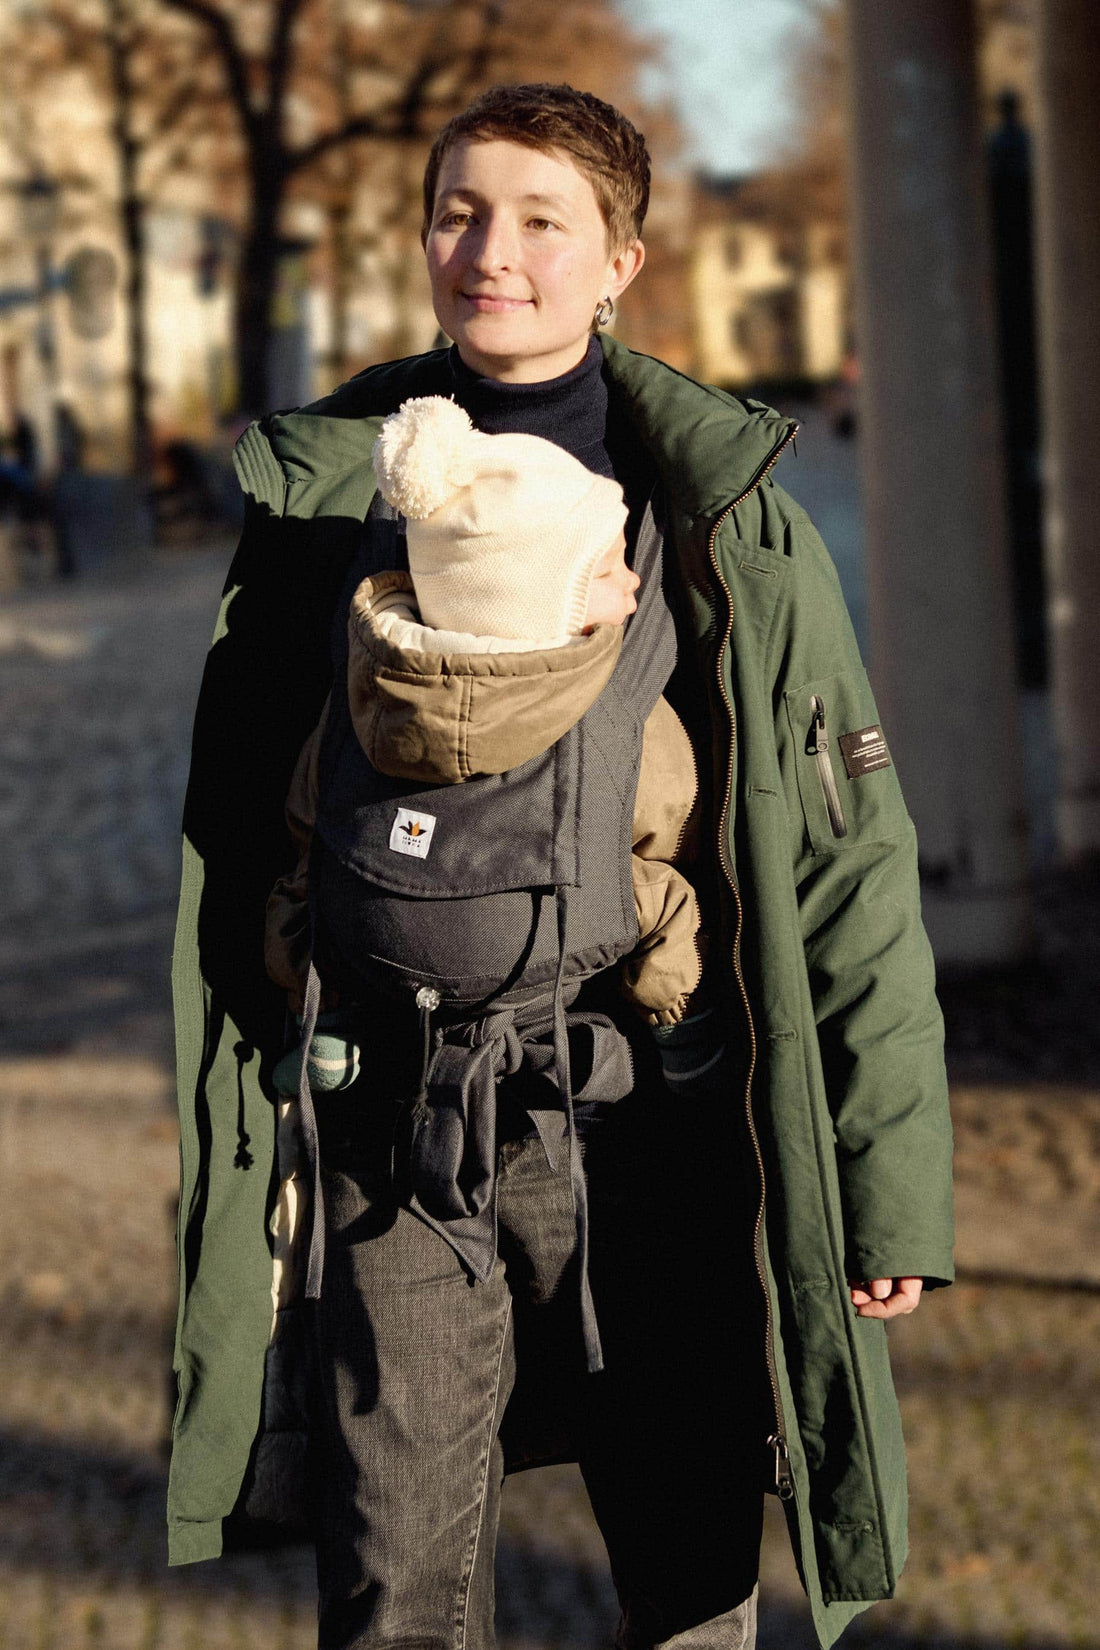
784	1483
819	739
427	1001
817	746
818	742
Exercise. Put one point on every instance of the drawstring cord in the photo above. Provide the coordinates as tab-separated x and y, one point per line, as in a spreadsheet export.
427	1002
310	1008
578	1186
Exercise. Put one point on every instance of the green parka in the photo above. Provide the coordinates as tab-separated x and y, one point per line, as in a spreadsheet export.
821	939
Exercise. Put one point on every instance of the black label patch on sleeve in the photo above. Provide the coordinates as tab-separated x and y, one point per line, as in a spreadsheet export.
863	751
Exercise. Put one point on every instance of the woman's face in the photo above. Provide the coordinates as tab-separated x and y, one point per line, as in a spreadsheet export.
518	259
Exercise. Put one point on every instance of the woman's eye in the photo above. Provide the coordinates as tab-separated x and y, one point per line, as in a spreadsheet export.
458	220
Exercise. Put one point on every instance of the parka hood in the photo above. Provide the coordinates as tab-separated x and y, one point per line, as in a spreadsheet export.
709	447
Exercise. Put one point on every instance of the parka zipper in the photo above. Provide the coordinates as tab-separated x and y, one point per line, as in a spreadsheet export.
817	746
777	1442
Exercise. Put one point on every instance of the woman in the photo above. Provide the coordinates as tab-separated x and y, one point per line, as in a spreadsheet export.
743	1250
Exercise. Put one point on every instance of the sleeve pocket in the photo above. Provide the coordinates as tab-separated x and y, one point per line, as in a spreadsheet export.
847	784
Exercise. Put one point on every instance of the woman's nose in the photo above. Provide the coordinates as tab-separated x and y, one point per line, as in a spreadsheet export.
494	248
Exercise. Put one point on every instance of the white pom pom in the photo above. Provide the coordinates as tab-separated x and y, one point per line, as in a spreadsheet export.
424	453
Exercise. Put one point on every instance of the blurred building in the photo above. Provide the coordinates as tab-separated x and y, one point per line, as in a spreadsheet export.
59	203
769	297
61	336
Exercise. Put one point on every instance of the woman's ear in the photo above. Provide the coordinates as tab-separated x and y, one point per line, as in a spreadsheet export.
624	266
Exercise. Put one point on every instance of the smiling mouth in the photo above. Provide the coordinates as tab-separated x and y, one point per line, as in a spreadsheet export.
489	301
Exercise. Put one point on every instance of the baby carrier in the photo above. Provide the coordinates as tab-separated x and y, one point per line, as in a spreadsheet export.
487	903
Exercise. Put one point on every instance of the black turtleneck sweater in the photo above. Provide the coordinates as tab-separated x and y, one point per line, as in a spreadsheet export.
574	411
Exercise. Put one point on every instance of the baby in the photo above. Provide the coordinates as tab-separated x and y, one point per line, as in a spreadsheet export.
514	547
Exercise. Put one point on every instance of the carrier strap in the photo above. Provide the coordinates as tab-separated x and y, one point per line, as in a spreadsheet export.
311	1005
578	1185
452	1144
452	1135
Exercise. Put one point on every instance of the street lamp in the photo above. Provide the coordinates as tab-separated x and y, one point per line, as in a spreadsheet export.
40	196
40	199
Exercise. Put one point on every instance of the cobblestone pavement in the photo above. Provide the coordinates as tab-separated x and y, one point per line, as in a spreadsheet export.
999	1378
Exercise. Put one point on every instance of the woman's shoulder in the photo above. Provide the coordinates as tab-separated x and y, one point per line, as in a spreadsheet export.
335	433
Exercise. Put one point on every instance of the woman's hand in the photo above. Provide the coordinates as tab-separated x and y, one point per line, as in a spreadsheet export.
886	1297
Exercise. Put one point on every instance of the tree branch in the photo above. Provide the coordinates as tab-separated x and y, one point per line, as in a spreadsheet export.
172	160
176	107
225	39
360	126
279	60
397	121
478	63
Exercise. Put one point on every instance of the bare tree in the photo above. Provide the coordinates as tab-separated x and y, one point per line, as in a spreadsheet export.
285	113
297	125
260	105
807	178
144	83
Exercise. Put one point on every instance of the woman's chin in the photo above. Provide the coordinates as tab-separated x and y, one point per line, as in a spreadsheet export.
485	343
497	330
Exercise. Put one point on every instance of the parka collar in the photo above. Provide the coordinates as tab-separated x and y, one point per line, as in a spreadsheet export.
709	447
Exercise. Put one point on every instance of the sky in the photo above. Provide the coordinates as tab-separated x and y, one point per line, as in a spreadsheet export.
727	72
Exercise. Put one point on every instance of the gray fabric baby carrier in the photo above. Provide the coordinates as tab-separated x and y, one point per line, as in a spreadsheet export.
487	903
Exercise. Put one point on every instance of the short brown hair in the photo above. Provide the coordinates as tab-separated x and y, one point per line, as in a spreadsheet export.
600	141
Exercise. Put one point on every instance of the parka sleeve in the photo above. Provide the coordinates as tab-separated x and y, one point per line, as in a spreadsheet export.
286	919
869	963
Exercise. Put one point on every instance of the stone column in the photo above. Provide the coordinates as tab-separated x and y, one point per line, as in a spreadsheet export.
931	440
1067	180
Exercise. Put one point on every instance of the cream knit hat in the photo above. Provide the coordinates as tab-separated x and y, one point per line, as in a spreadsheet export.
504	531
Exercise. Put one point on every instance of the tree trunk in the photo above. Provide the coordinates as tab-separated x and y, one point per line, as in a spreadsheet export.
340	212
256	285
343	272
132	209
141	431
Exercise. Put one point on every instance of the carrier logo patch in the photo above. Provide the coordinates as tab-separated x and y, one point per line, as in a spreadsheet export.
412	833
864	751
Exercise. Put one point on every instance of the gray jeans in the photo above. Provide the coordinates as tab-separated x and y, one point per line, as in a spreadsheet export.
418	1363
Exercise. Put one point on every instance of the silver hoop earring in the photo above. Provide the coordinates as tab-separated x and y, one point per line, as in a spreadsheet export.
605	309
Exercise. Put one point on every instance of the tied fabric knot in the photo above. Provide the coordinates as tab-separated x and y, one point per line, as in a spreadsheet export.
452	1147
500	1030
